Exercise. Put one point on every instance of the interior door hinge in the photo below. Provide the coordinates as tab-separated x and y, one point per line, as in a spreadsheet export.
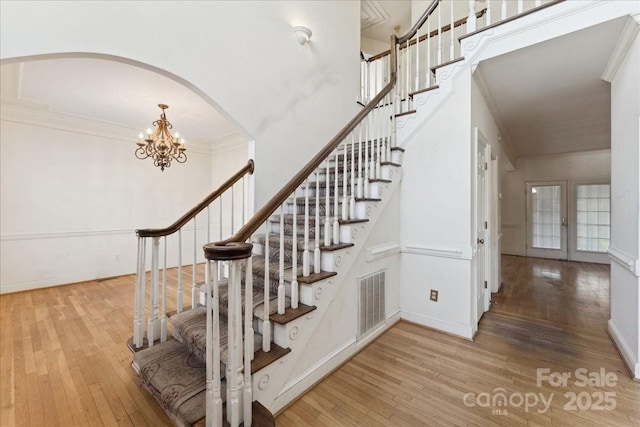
485	284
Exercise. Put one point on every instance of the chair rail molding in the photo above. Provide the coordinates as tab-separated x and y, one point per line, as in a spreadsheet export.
625	260
465	253
383	250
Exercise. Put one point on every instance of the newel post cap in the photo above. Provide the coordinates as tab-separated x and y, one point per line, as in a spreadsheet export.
220	251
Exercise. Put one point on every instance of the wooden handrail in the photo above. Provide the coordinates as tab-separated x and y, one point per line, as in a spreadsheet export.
432	34
251	226
159	232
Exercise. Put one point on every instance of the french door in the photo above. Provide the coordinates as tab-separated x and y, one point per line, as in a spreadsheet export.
547	219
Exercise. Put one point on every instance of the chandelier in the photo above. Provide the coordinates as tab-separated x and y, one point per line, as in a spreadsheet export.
160	145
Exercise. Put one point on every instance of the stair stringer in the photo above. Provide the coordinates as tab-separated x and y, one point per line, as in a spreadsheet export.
278	384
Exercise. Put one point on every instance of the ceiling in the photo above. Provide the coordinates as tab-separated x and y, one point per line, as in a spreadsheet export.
549	98
379	17
114	92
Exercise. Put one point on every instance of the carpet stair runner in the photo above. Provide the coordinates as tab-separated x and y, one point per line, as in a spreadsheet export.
174	371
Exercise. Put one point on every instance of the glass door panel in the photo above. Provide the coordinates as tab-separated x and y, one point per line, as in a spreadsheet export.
546	220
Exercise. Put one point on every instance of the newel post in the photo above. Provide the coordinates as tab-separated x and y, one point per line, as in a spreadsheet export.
239	398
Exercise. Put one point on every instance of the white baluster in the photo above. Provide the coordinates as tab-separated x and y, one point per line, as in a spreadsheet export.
138	314
152	327
503	13
451	35
232	211
345	196
235	379
281	263
194	287
294	254
379	139
408	77
266	323
368	82
538	3
327	207
336	207
206	270
220	269
248	341
417	83
520	6
439	54
427	71
471	20
352	199
305	255
244	218
360	188
385	128
163	306
179	297
367	135
487	15
372	160
316	251
213	374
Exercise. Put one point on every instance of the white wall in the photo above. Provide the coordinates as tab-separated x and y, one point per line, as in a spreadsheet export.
624	324
373	47
436	217
242	56
590	166
73	193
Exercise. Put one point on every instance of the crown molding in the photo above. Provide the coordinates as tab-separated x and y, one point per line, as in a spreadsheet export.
36	114
627	36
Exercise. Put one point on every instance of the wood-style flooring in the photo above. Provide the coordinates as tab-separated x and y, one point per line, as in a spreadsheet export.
63	360
548	315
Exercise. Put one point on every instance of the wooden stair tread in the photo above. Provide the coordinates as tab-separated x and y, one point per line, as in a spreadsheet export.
368	199
417	92
380	180
262	359
315	277
444	64
390	164
404	113
291	314
352	221
336	247
397	149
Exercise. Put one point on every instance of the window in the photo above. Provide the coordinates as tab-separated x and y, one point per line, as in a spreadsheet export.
593	222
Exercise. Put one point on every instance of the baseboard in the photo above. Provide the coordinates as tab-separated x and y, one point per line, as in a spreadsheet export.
452	328
61	281
625	350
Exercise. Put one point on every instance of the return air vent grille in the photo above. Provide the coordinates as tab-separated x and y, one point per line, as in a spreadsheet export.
371	310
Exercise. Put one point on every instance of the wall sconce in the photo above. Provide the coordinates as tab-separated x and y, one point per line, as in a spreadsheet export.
303	34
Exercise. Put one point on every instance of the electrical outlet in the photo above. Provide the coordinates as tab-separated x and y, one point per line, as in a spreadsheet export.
433	296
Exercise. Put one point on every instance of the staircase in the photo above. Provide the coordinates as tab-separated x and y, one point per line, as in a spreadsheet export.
278	272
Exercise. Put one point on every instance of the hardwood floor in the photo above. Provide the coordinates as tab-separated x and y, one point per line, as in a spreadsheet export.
549	315
63	360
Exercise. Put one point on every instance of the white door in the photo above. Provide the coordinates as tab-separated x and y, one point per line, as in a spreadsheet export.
483	293
547	219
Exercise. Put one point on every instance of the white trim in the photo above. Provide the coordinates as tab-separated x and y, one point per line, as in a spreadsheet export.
625	349
383	250
86	126
453	328
625	260
421	249
76	234
327	364
623	44
62	281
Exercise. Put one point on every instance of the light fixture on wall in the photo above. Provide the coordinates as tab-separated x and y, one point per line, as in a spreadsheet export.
303	34
160	144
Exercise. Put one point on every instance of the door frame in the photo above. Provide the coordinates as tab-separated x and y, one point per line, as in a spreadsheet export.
491	235
563	252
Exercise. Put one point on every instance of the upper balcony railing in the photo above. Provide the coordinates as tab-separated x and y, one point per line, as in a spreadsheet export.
436	43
